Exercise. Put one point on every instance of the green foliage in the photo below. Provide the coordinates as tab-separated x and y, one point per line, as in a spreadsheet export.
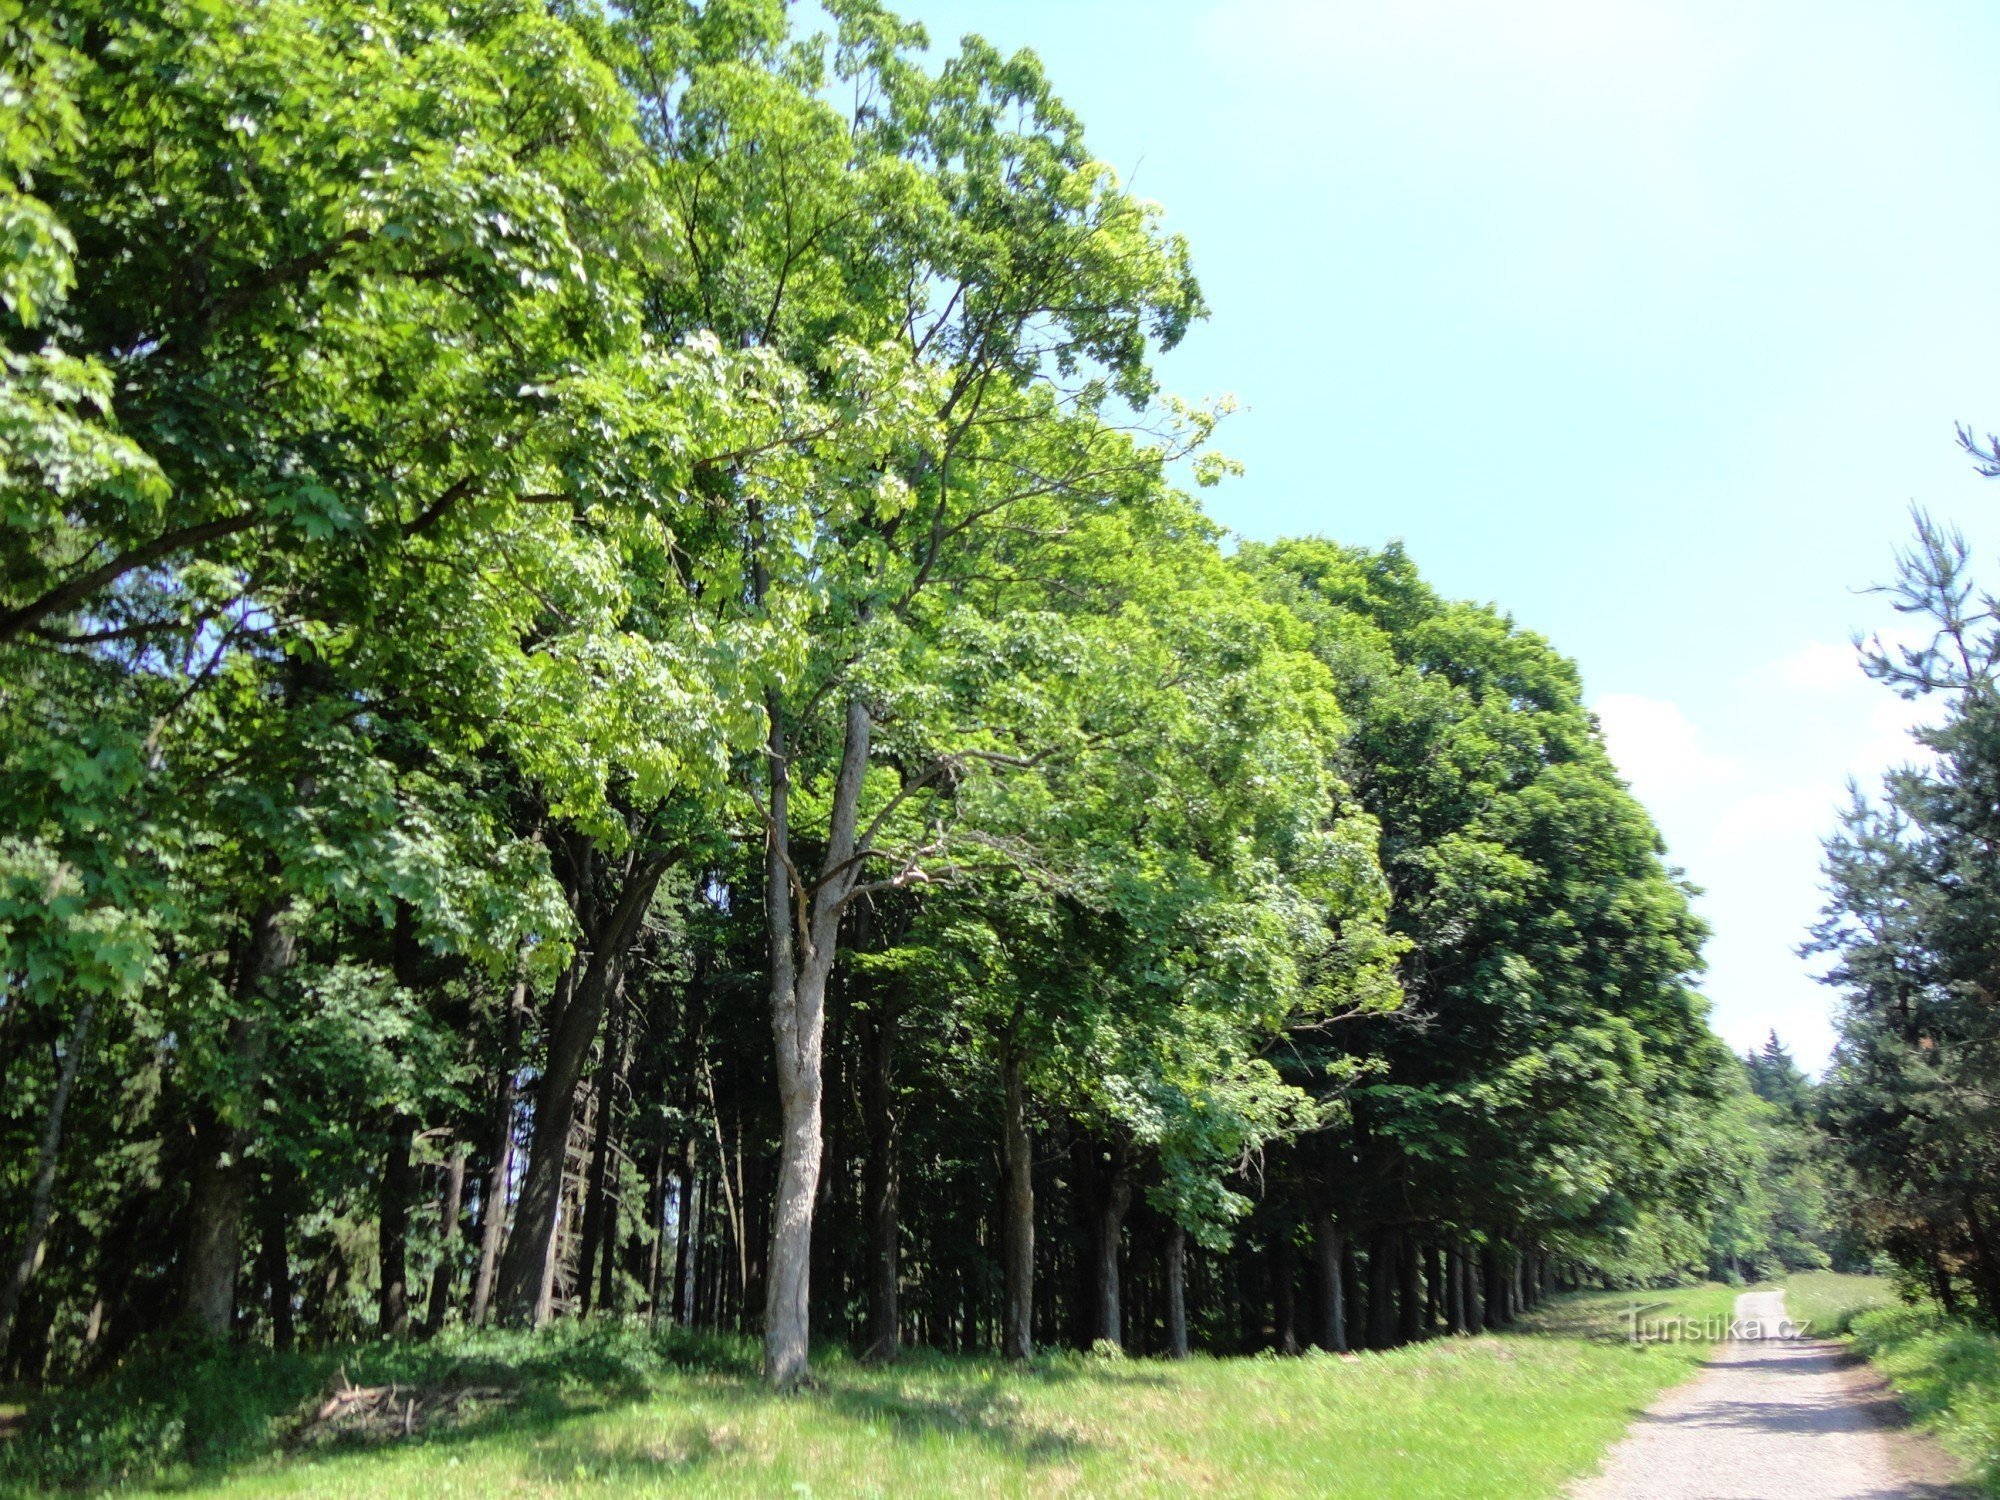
1947	1374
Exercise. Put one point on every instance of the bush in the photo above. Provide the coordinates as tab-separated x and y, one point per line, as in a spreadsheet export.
1946	1371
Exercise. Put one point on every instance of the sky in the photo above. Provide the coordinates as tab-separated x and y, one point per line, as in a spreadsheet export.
1646	321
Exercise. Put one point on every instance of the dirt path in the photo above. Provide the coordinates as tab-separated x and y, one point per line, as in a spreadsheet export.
1775	1419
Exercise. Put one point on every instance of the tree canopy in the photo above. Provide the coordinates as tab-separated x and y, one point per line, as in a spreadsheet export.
610	700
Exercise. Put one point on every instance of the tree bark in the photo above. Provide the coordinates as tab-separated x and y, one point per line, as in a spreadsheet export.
1109	1230
597	1194
684	1238
1410	1301
1328	1243
801	959
393	1232
1986	1281
525	1266
276	1256
41	1200
1175	1259
1284	1289
882	1190
1383	1275
449	1206
1475	1299
1495	1277
500	1159
219	1178
1017	1209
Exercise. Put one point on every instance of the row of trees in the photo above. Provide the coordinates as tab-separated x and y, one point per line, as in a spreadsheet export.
1913	1096
610	705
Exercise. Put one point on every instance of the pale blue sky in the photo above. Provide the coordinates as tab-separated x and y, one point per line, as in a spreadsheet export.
1644	320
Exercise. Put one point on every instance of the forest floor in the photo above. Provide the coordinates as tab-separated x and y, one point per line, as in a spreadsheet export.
1777	1417
1513	1415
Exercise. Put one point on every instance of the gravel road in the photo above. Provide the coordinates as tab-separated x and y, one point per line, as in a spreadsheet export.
1775	1419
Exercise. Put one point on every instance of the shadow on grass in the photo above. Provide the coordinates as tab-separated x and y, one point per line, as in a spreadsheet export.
184	1413
180	1416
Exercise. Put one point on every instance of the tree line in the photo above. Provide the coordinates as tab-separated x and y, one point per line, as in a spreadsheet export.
612	702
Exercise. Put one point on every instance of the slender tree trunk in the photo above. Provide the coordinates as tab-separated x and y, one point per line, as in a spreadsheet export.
1110	1230
1475	1299
882	1188
1986	1280
1328	1243
1383	1274
449	1207
1410	1299
526	1264
684	1238
1175	1258
1941	1287
393	1232
1454	1288
41	1200
220	1176
1284	1289
1434	1286
500	1161
276	1258
1495	1277
1017	1208
597	1189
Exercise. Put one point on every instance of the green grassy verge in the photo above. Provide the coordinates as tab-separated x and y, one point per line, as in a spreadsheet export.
603	1410
1832	1299
1948	1374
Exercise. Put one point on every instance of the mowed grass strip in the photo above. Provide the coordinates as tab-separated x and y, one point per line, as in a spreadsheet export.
1511	1415
1833	1299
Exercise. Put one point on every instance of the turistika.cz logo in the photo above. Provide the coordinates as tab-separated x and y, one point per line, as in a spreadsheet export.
1681	1329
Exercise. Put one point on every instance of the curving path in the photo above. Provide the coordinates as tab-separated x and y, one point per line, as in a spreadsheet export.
1775	1419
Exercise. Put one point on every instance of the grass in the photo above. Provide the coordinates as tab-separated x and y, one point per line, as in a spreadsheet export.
1948	1374
603	1410
1831	1300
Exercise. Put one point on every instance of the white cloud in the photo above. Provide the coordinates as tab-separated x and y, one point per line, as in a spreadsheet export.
1821	665
1783	814
1656	746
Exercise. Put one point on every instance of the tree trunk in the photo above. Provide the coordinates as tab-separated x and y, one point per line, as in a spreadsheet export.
276	1257
684	1238
1986	1278
597	1191
500	1159
449	1206
41	1200
1284	1289
1475	1296
1435	1282
1328	1243
1383	1274
1175	1258
1017	1210
393	1232
219	1178
525	1266
1410	1301
798	1026
1454	1288
882	1189
1109	1228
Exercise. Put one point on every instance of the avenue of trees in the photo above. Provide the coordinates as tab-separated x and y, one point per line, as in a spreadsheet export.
1913	1097
609	705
